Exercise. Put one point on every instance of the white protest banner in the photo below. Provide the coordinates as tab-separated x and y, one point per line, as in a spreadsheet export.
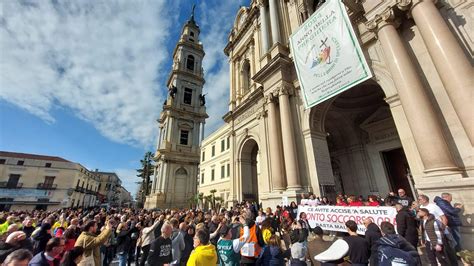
327	55
333	218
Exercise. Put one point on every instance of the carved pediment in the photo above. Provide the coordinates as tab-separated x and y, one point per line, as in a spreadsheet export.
185	125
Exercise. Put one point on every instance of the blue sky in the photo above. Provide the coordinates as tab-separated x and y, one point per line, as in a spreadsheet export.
85	80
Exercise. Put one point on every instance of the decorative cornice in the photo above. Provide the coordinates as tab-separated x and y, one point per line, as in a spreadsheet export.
387	17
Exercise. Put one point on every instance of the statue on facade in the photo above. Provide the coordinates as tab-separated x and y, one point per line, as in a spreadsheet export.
202	99
172	91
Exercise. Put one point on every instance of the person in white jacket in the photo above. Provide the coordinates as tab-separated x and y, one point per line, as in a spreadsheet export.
177	242
146	238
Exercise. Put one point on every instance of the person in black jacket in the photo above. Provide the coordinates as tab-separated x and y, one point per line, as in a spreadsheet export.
53	249
188	232
359	251
124	242
452	214
372	235
41	238
394	248
406	224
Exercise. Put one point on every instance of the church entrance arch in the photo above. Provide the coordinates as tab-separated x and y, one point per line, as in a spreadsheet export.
363	150
249	170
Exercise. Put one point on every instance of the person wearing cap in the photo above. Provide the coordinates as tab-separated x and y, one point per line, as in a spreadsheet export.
228	249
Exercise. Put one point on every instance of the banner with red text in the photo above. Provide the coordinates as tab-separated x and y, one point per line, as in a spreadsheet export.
333	218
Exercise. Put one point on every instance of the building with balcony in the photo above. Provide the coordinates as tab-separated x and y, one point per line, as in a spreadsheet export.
109	188
31	181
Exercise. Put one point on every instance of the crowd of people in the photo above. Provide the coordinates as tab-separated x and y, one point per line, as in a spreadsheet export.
245	234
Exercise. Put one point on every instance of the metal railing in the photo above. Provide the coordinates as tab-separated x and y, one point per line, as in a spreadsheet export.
10	186
46	186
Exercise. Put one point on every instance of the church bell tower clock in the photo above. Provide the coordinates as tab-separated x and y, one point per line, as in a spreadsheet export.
181	125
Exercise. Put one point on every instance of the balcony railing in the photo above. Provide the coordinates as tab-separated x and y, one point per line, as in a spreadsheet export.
10	186
80	189
46	186
91	192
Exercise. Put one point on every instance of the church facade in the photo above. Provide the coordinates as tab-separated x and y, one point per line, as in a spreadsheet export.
181	125
410	126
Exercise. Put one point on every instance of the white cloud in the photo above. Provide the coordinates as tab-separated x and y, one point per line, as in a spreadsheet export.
102	59
129	179
107	60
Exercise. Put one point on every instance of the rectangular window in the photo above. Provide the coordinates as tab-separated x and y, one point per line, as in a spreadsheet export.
202	178
212	174
222	145
49	180
228	142
222	171
213	153
188	96
228	169
20	163
183	139
13	181
2	161
203	156
47	165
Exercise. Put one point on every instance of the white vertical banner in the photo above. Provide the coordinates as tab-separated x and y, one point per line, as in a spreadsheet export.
327	55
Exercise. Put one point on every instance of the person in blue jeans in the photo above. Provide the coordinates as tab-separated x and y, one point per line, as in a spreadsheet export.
124	241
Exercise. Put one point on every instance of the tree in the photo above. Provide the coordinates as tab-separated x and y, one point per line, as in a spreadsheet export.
213	198
201	200
145	173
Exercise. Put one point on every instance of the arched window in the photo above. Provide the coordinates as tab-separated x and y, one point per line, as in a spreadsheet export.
191	34
246	76
181	172
190	62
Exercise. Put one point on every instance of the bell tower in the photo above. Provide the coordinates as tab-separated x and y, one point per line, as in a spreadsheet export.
181	125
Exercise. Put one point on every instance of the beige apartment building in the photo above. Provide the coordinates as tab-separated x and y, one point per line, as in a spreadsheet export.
410	126
31	181
215	167
109	188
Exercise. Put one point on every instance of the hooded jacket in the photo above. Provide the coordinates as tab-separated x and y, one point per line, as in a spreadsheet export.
393	247
203	255
452	214
92	243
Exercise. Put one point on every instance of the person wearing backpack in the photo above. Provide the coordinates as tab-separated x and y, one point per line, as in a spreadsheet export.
394	249
228	249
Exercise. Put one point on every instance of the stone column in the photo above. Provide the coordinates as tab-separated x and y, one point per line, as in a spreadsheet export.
421	116
289	145
264	29
274	21
202	131
278	181
452	65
